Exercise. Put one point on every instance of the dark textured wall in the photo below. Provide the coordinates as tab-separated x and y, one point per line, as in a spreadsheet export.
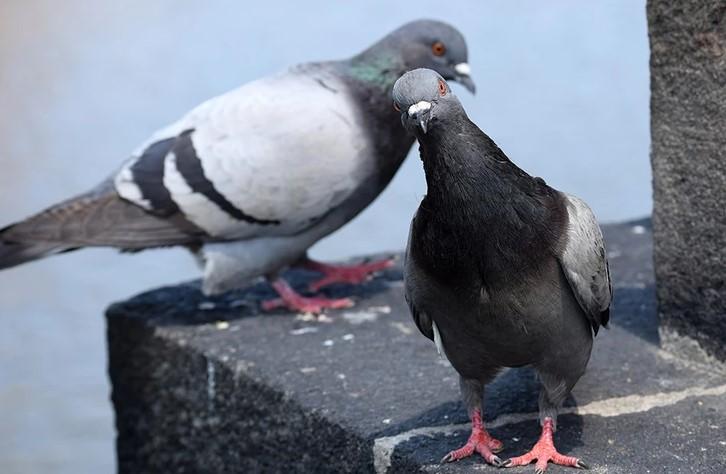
688	126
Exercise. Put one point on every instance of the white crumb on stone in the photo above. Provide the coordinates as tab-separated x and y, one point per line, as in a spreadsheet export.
328	342
206	305
722	443
638	229
348	337
305	317
402	327
221	325
324	318
303	330
308	370
341	376
359	317
387	421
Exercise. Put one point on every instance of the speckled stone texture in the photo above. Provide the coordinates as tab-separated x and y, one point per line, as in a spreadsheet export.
688	126
212	386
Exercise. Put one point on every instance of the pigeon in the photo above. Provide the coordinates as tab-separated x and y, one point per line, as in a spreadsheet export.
251	179
500	270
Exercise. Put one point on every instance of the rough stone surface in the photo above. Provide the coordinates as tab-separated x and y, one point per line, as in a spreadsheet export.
210	385
688	126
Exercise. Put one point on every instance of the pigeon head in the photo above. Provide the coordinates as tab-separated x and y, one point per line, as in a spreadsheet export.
429	44
422	96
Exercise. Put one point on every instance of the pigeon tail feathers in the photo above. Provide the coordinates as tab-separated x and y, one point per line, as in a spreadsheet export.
99	218
13	254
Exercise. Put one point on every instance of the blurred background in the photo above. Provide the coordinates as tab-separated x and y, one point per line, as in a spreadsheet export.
562	88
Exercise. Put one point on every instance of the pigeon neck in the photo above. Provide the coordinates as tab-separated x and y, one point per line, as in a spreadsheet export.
460	163
377	66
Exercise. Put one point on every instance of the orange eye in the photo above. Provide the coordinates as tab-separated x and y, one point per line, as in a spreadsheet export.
396	106
442	88
438	48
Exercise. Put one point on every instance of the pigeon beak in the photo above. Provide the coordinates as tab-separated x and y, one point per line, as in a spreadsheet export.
462	77
419	112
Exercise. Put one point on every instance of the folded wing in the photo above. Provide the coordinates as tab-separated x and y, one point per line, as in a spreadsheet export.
585	264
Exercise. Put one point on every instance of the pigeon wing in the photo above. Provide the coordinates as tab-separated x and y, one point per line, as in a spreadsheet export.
268	159
411	275
585	264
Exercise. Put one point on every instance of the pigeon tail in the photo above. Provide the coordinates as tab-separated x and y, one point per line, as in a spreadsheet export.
13	254
99	218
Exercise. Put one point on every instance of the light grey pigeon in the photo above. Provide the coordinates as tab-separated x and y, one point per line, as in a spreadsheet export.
251	179
501	270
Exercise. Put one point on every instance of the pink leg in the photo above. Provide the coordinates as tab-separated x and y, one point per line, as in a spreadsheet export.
353	274
543	451
479	441
293	300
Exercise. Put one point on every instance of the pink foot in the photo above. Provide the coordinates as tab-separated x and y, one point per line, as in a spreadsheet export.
353	274
543	451
479	441
292	300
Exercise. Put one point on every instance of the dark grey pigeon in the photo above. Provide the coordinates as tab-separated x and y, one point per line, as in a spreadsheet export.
251	179
501	270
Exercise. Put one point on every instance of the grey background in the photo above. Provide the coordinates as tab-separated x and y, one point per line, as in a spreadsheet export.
563	89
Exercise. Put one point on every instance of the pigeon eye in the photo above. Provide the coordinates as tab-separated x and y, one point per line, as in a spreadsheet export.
438	48
396	106
442	88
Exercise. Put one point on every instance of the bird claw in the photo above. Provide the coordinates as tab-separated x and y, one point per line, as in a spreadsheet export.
469	449
351	274
494	460
544	452
307	305
578	464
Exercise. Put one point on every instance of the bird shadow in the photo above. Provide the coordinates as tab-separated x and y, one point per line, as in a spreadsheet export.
186	304
634	309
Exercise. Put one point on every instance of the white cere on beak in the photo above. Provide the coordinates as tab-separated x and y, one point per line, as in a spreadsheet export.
462	69
419	107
